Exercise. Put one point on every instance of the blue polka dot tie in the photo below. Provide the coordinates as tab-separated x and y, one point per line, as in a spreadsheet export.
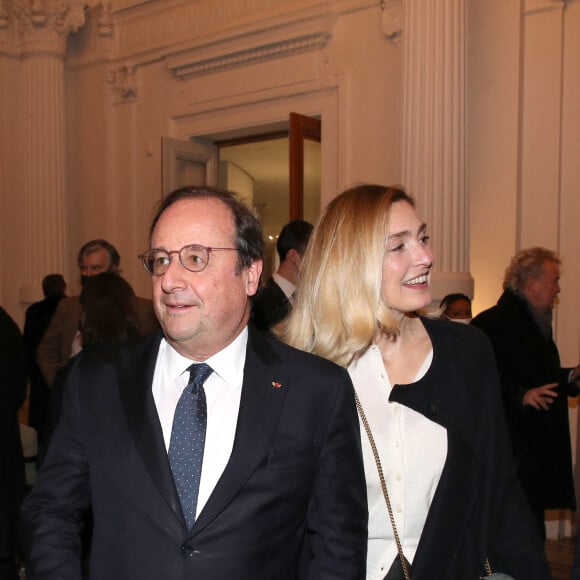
188	439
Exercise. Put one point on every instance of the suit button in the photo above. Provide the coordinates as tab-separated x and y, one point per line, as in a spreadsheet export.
187	551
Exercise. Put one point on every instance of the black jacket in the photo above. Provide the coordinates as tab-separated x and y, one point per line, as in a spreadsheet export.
291	502
270	306
13	389
479	510
540	439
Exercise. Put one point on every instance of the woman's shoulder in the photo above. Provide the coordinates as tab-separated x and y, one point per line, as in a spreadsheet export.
461	347
463	335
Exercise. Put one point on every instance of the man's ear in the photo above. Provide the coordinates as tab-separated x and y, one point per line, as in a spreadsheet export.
253	273
294	256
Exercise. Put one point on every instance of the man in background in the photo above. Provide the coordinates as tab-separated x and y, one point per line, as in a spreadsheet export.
38	317
56	345
272	303
534	386
12	483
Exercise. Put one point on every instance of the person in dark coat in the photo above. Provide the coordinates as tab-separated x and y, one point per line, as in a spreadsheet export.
12	481
273	301
38	317
535	387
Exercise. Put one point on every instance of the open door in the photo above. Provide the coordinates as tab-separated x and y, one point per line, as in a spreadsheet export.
188	163
301	128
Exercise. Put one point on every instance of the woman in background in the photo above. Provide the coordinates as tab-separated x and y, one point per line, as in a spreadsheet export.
456	307
108	318
429	391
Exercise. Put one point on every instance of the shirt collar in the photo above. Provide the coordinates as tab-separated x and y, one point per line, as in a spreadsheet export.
228	363
285	285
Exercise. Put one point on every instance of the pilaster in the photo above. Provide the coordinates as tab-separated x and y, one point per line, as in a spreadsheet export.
42	28
434	134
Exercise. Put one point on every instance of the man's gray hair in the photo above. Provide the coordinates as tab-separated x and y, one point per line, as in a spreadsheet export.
527	264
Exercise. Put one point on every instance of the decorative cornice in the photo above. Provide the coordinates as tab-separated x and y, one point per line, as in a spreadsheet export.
62	16
123	83
105	24
392	19
535	6
200	65
42	25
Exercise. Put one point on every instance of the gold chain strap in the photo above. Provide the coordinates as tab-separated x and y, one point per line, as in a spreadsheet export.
383	485
487	568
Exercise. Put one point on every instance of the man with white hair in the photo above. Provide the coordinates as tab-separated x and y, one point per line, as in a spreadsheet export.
535	387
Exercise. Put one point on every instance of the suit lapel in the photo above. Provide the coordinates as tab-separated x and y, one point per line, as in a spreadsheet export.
135	380
263	395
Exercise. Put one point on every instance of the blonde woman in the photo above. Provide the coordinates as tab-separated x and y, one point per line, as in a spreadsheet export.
429	391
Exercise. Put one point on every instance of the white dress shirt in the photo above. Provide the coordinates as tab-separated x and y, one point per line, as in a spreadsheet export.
412	450
223	391
285	285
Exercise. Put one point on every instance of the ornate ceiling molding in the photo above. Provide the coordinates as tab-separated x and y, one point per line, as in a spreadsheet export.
123	83
392	19
202	63
534	6
42	26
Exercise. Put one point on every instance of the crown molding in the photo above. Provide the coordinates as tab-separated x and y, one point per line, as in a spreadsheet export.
293	38
536	6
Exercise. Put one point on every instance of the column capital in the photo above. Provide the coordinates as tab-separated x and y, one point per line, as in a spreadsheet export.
43	25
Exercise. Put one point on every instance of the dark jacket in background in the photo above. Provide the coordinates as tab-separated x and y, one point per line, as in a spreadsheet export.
270	306
13	391
541	439
38	317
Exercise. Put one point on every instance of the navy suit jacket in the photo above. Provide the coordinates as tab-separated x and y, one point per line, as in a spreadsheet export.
291	502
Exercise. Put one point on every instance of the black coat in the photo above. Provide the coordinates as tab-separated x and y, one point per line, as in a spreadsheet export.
291	502
540	439
270	306
38	317
13	390
479	510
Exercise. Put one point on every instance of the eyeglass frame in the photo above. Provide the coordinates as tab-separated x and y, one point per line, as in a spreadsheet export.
208	250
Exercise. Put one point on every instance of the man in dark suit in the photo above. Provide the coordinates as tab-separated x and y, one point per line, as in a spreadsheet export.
272	303
535	387
255	473
13	390
58	343
38	317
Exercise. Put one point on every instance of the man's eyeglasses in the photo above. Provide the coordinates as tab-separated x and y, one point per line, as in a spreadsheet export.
193	258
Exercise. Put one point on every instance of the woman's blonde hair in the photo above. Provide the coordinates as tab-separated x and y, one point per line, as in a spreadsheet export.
338	311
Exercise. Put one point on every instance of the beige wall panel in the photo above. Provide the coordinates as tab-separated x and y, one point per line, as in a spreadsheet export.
568	330
494	71
371	125
541	109
89	148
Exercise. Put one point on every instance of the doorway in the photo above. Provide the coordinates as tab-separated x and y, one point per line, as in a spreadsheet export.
258	169
256	165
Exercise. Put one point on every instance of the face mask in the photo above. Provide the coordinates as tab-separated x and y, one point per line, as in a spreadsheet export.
461	320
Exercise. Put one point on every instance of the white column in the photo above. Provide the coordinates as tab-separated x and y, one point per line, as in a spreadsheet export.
434	134
44	27
45	175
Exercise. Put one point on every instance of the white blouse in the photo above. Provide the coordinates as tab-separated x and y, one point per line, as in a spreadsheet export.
412	450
